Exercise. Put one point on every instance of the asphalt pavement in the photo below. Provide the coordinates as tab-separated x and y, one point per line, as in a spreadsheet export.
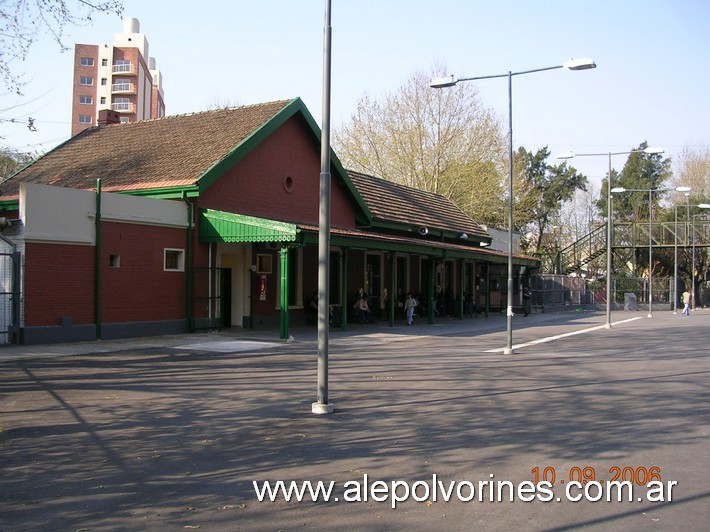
433	428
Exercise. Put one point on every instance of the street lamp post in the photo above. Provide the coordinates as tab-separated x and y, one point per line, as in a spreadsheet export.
450	81
650	232
609	215
322	405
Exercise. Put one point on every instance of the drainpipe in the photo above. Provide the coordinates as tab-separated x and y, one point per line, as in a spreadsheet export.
97	273
188	266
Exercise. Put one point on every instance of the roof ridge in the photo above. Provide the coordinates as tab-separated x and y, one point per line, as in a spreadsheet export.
196	113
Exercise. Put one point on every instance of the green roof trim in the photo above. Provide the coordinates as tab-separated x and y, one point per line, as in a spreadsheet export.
163	193
219	226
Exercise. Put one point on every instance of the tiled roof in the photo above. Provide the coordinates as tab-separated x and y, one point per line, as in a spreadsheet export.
393	203
174	151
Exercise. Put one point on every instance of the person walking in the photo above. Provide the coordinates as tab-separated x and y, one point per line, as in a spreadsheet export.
409	305
526	300
687	297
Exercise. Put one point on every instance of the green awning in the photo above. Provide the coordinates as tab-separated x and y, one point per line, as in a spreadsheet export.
219	226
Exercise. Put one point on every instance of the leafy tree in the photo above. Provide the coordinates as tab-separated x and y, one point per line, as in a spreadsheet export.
642	171
22	22
439	140
543	191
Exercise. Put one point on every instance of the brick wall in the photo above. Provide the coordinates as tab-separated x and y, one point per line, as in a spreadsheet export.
140	289
60	282
279	179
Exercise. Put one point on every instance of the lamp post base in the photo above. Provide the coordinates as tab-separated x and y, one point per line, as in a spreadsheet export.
508	351
322	408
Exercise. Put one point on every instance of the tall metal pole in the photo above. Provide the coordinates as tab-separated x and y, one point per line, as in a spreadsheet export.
509	312
675	263
609	235
650	253
321	406
692	270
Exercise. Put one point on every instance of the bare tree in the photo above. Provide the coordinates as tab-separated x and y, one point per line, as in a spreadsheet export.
441	141
693	170
22	21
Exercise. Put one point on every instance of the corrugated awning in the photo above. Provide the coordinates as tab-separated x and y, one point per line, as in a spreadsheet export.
219	226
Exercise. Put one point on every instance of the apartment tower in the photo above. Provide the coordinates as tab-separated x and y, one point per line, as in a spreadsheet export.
116	83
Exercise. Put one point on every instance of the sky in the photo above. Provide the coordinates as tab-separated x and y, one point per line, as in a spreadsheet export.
652	81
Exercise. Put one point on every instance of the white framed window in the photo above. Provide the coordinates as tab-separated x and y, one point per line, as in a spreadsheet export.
86	80
104	81
104	62
84	119
103	100
174	260
87	61
86	100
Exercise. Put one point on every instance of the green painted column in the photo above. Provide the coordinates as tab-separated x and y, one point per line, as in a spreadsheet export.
430	281
345	307
462	278
392	296
97	274
283	318
488	289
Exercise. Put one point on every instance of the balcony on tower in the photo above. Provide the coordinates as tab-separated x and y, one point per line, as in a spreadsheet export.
123	105
123	67
123	86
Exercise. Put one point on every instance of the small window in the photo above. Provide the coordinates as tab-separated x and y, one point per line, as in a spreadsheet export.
103	100
86	100
86	80
263	263
174	260
125	120
87	61
84	119
104	62
114	261
104	81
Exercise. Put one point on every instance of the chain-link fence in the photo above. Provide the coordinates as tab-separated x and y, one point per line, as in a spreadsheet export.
551	291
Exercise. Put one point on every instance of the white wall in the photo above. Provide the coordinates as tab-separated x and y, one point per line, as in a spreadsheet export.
57	214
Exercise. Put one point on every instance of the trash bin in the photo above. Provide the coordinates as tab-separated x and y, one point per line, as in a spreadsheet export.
630	301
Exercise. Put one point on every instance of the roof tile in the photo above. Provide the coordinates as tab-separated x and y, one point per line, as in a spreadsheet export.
173	151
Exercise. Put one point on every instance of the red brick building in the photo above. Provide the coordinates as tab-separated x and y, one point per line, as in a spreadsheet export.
211	220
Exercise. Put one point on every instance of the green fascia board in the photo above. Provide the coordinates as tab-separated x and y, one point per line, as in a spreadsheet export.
164	193
373	244
412	228
219	226
296	106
